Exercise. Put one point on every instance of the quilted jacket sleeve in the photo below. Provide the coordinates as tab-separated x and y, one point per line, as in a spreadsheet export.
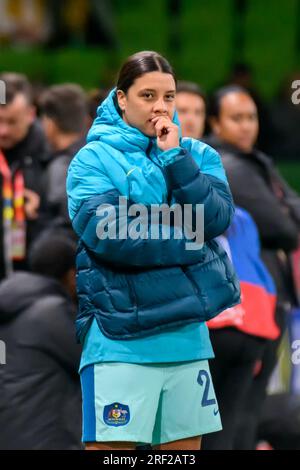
191	185
138	252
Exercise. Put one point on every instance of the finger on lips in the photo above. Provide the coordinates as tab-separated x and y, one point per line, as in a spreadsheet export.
162	125
161	119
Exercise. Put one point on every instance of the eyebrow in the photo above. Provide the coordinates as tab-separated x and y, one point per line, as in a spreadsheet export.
151	89
240	113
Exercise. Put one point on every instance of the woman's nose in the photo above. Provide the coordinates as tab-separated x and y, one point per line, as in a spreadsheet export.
160	107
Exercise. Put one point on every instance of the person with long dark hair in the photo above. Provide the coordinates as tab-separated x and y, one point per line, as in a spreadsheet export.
144	300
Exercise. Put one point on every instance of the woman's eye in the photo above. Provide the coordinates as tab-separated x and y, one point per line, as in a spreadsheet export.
148	95
170	97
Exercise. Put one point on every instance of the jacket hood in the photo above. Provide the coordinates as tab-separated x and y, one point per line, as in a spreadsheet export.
113	130
23	289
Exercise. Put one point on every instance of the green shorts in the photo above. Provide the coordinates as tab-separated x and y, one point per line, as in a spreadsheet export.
148	403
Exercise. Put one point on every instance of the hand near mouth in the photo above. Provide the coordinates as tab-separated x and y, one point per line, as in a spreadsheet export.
167	132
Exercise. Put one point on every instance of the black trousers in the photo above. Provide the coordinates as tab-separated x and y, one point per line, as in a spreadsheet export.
247	429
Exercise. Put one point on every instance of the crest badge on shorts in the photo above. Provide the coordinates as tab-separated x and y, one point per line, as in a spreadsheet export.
116	414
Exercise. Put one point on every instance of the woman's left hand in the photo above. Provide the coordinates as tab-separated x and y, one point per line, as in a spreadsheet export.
167	133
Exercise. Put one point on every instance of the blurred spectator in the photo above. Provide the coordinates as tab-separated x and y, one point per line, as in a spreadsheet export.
40	402
242	75
191	108
274	206
239	335
23	158
63	110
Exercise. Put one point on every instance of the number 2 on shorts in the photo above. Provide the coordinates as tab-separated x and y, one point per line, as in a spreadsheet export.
203	374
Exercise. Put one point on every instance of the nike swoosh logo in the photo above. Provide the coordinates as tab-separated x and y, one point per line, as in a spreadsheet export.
216	412
132	170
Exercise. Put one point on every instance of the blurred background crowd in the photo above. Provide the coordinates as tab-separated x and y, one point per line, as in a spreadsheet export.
236	61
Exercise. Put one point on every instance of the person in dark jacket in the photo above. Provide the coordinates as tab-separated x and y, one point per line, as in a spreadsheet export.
257	186
64	115
23	158
40	392
144	299
239	335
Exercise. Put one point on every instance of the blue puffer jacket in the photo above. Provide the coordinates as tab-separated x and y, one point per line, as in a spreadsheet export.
138	287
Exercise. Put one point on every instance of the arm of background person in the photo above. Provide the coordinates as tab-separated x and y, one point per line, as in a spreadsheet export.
55	326
276	227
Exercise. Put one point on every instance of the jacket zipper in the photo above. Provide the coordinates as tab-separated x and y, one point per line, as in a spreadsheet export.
148	151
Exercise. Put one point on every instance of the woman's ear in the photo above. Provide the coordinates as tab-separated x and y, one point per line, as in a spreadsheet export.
121	97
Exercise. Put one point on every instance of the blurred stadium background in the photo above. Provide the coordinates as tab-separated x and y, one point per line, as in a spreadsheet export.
84	41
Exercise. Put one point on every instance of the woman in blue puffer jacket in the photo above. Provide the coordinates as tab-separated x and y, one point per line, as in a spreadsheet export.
143	299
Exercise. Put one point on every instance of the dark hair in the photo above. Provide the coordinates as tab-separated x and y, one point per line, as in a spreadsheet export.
66	105
15	84
94	99
190	87
140	63
215	101
52	254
